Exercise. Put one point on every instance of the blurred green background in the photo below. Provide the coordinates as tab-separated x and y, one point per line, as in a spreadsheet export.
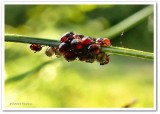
62	84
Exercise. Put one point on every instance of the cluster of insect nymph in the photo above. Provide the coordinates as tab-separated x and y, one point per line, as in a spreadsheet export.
78	47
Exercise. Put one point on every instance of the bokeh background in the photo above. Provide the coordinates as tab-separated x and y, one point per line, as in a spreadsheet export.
45	82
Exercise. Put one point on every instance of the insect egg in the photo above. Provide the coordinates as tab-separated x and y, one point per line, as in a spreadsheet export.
106	42
94	48
63	47
86	40
50	51
66	36
35	47
58	53
77	44
70	56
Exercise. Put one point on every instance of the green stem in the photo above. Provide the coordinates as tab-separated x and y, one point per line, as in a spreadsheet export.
127	23
23	75
128	52
112	49
30	40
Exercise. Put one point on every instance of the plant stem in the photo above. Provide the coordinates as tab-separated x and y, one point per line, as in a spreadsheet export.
23	75
127	23
128	52
111	50
30	40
